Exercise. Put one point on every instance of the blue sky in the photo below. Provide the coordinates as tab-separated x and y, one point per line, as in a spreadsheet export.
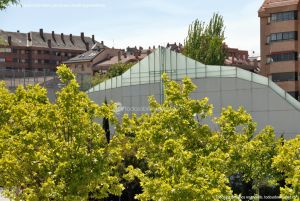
122	23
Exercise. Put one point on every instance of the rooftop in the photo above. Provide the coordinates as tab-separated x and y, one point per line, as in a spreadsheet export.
277	3
43	40
89	55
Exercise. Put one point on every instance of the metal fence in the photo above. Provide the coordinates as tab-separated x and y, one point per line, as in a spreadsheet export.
45	78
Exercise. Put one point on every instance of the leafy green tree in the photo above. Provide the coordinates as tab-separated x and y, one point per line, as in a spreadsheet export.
288	162
55	151
113	71
183	159
5	3
174	146
204	43
118	69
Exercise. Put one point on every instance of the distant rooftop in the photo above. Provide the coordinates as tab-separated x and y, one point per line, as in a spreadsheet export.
277	3
46	40
89	55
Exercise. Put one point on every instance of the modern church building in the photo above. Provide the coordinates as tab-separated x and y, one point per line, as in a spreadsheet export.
223	85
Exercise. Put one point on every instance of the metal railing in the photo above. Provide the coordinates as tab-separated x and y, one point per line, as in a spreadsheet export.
46	78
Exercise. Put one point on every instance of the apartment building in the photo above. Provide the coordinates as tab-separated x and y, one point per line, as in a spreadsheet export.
85	63
280	47
130	55
39	50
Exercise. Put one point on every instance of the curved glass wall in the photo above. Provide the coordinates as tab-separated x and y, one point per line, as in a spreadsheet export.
178	66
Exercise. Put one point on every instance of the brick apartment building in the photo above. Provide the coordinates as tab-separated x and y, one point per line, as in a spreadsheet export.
39	50
240	58
280	47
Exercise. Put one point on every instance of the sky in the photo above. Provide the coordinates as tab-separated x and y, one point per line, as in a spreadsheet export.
122	23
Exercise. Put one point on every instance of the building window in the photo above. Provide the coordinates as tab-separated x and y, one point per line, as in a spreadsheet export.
284	16
289	56
292	35
281	77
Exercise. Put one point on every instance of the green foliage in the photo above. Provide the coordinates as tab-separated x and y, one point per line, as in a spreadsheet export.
55	151
205	43
113	71
118	69
65	74
288	162
5	3
98	78
183	159
174	146
58	151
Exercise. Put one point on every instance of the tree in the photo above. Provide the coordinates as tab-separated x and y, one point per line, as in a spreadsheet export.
5	3
113	71
205	43
183	159
176	148
55	151
288	162
118	69
105	125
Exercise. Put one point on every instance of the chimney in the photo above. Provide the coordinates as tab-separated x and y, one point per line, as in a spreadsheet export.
102	43
93	39
82	36
119	56
29	36
168	45
53	36
42	33
9	40
49	43
136	55
18	31
62	38
71	38
140	48
154	47
87	46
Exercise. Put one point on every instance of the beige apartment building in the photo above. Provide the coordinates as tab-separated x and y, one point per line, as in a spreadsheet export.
280	47
85	62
